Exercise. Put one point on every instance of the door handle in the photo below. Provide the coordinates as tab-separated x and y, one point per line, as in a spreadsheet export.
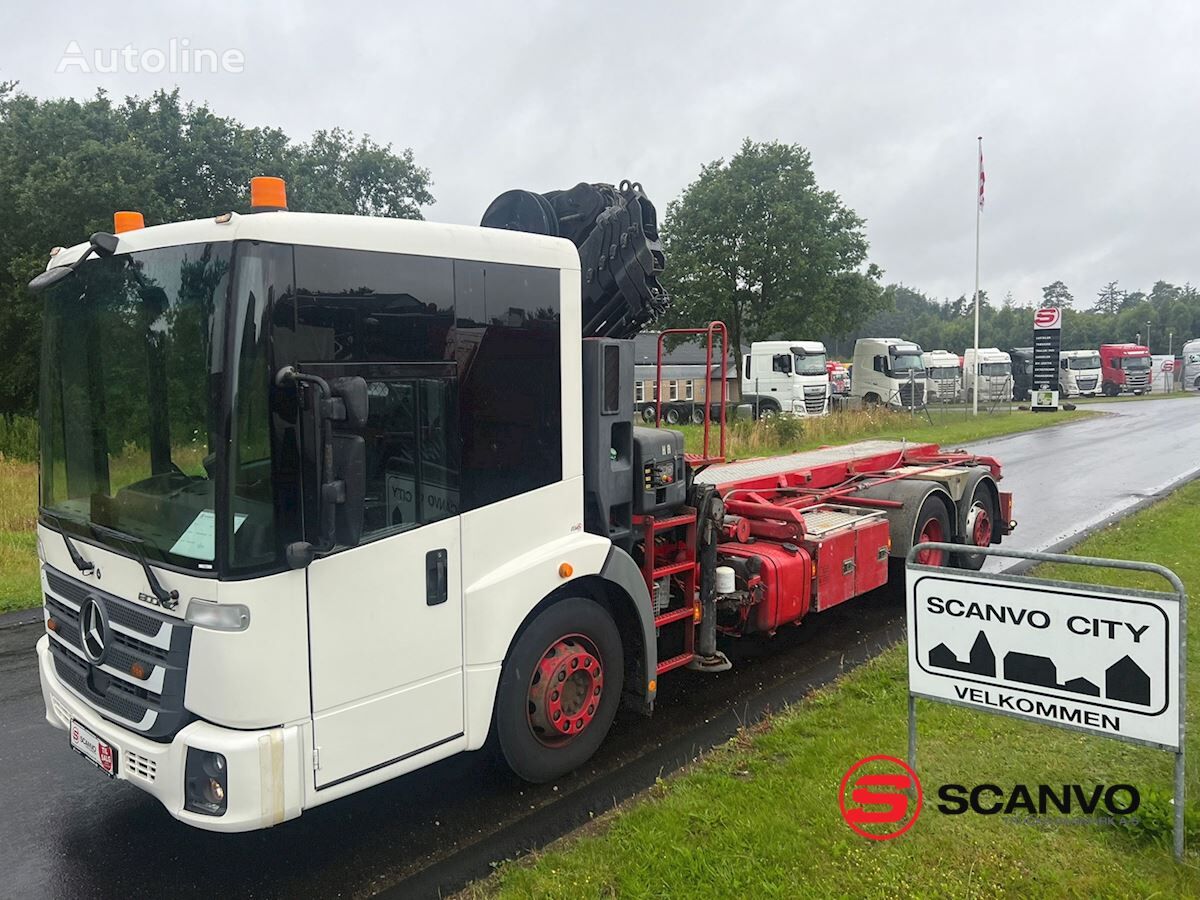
436	578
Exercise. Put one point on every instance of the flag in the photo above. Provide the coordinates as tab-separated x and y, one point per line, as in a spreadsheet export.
981	176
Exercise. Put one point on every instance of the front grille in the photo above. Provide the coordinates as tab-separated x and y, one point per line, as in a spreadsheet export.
1137	381
1086	384
912	394
101	686
814	400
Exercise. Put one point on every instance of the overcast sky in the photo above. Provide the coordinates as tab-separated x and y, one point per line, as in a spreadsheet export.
1088	111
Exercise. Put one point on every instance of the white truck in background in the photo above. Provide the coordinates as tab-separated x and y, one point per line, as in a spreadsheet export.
1191	365
888	372
943	376
1079	373
995	375
786	377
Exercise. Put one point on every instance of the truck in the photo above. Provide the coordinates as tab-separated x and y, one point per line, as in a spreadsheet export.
1191	365
888	372
786	377
1125	369
325	499
1079	373
995	375
839	379
1022	372
943	376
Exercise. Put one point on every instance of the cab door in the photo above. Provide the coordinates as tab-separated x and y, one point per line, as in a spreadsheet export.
385	616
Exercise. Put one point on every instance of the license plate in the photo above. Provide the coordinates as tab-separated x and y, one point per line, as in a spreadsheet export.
97	752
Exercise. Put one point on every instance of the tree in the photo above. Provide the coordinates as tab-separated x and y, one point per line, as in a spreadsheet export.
755	242
67	165
1056	295
1109	299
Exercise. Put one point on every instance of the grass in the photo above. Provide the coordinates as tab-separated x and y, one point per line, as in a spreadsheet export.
759	816
18	538
950	429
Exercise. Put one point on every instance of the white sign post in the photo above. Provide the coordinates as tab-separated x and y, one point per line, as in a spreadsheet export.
1090	658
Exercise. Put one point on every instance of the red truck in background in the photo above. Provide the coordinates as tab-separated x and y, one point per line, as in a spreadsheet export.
1125	369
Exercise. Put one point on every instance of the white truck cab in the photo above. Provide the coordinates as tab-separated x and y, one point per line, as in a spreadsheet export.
1191	365
995	375
889	372
1079	373
786	377
943	376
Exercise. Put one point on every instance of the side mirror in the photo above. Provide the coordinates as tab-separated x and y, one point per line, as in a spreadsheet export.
350	481
352	391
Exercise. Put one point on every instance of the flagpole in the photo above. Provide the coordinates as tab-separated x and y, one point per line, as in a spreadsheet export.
978	210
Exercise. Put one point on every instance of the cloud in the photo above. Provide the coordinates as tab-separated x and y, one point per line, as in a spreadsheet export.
1087	111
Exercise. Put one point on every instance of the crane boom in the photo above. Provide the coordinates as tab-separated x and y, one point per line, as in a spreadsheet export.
621	257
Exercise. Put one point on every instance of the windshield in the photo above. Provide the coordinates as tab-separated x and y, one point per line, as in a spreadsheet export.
132	379
810	363
906	363
996	368
1137	362
1083	362
943	373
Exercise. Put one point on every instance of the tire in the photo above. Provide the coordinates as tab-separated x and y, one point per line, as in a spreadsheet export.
575	636
768	410
871	400
697	415
671	415
1110	389
647	414
1196	384
979	516
932	524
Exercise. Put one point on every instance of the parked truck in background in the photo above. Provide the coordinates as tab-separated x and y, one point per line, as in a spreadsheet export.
786	377
1191	365
325	499
995	375
943	376
1079	373
839	379
1125	369
888	372
1022	372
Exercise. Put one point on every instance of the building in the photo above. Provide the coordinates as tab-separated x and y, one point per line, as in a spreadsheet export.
683	374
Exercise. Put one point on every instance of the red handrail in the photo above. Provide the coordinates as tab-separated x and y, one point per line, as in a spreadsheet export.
709	332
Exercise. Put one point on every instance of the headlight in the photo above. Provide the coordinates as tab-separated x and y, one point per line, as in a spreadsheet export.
218	616
206	783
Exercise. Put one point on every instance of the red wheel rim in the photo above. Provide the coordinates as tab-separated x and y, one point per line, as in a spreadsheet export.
980	526
565	690
932	531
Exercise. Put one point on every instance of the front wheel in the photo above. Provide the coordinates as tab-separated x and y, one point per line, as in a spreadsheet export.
1111	390
697	415
671	416
559	690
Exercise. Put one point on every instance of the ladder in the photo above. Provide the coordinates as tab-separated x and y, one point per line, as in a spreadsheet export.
673	540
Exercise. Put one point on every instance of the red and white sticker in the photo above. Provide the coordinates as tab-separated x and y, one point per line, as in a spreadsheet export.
1046	318
96	751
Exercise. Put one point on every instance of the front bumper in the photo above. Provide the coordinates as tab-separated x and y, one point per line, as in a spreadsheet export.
265	780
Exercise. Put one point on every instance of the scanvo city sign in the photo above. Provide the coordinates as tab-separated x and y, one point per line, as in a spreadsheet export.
1090	658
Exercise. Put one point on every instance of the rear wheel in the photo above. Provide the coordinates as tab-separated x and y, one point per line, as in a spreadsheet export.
697	415
932	524
647	414
979	526
559	690
671	416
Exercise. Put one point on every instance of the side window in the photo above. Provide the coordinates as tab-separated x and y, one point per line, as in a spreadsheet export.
507	350
880	364
781	362
747	366
639	391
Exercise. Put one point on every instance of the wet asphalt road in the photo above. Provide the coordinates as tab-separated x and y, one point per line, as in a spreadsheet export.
67	832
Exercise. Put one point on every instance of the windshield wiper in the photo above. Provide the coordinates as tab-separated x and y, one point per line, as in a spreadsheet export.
167	599
84	565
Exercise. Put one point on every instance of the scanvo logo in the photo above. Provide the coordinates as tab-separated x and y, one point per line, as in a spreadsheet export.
1047	318
874	797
